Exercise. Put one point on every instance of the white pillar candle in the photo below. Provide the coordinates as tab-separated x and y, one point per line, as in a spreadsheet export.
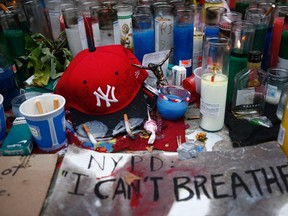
213	101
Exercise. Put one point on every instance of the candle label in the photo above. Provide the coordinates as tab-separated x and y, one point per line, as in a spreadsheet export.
281	135
163	33
245	97
125	27
197	60
272	91
186	63
208	109
282	63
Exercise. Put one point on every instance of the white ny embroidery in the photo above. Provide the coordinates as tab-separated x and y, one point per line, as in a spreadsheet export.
105	97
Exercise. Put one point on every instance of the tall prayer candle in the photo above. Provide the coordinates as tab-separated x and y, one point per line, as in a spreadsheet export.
123	29
276	38
242	34
143	41
214	82
183	39
260	20
241	6
143	31
164	21
197	48
213	101
283	52
238	61
211	31
260	37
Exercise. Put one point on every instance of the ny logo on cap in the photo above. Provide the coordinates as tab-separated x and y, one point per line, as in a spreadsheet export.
100	95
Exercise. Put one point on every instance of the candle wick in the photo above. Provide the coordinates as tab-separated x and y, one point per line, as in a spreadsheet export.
214	72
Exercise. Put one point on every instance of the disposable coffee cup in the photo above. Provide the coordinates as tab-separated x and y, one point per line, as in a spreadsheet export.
2	121
46	119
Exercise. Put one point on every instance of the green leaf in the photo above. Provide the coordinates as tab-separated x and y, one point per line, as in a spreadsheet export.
47	58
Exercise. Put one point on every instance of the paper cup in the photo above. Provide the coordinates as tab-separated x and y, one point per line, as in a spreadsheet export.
2	121
198	73
48	128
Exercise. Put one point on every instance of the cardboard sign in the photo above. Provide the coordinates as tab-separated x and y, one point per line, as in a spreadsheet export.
243	181
24	182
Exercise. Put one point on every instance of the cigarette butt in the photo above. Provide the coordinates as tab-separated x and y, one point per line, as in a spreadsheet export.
270	10
90	136
39	107
55	103
125	117
193	117
86	129
127	127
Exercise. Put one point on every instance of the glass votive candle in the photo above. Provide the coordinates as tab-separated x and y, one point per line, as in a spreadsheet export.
172	102
277	77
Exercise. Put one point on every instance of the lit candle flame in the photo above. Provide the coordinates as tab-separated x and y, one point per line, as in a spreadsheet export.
238	44
215	68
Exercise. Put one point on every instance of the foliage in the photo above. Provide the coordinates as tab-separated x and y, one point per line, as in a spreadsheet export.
44	58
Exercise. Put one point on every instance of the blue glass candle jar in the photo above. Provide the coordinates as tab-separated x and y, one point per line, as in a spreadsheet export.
172	102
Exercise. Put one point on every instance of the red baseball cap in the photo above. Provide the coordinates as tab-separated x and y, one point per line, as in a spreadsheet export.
103	85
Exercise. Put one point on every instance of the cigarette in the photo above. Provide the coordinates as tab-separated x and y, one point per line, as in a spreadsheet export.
39	107
4	8
193	117
127	127
55	103
179	142
90	136
270	10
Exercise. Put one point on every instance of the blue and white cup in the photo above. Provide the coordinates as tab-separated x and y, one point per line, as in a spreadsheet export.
48	128
2	121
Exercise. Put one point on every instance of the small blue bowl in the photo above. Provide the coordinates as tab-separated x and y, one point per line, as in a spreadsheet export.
172	102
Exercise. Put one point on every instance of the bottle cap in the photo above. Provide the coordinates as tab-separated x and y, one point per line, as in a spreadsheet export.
254	56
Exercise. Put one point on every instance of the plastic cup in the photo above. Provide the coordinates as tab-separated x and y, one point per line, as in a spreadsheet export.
48	128
18	100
